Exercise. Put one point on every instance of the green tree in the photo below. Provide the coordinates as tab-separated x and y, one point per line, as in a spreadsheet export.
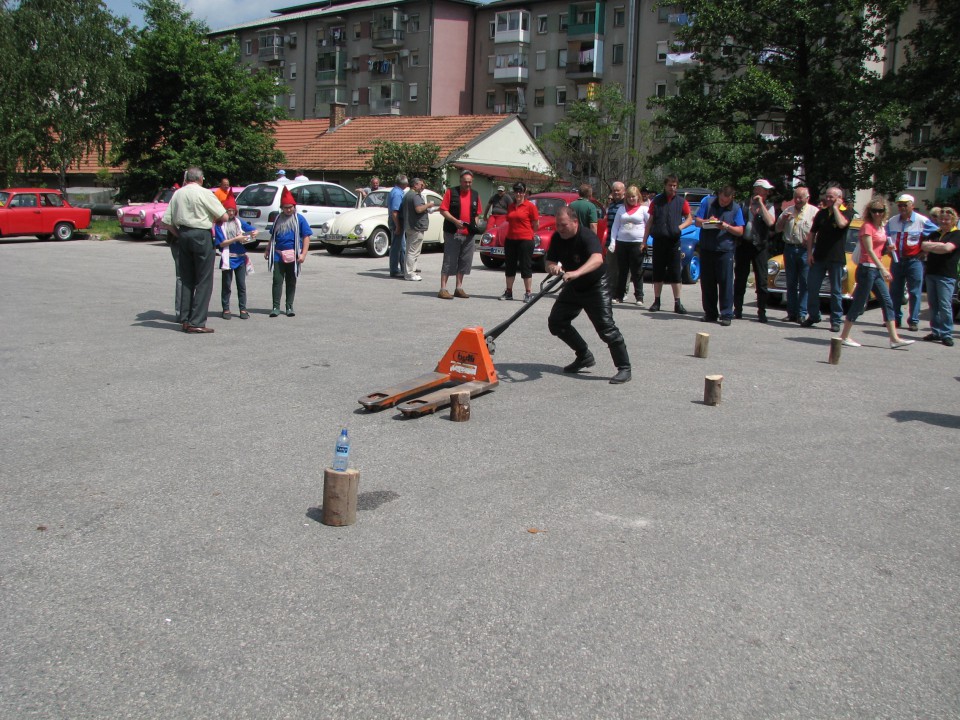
14	132
74	59
592	144
388	159
782	90
196	104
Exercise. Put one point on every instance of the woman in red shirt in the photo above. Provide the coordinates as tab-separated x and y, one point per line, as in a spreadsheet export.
523	221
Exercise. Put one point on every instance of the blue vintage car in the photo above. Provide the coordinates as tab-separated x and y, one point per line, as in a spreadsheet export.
689	240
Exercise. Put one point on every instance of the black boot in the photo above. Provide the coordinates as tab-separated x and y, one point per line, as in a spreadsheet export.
583	361
621	359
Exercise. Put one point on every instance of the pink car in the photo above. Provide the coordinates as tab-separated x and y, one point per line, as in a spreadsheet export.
138	219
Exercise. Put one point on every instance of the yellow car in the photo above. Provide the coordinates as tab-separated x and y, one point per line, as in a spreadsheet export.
777	276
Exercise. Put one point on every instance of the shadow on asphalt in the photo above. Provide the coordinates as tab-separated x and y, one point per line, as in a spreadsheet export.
931	418
365	501
811	340
157	319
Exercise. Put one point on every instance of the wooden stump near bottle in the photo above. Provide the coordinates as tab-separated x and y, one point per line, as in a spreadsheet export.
712	388
340	497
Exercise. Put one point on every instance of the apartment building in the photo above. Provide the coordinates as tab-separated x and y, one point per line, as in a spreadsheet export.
378	57
533	58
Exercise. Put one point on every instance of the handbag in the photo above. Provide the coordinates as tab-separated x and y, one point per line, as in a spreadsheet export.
288	256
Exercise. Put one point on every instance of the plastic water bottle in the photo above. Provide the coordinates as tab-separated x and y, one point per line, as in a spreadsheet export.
341	453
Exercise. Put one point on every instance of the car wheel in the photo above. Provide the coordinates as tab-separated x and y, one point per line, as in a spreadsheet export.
44	236
378	244
691	273
63	231
491	262
333	249
252	245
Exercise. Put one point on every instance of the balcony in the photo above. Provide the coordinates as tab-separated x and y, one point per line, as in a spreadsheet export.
331	68
586	20
516	75
387	38
585	61
512	26
385	106
271	47
385	70
332	77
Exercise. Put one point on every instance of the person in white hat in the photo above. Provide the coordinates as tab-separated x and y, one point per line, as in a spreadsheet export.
904	232
282	176
752	251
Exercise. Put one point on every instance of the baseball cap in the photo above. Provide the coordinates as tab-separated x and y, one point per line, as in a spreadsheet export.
765	184
281	172
500	187
904	197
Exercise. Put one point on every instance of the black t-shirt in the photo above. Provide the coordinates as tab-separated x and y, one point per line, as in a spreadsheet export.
829	245
944	265
572	253
499	203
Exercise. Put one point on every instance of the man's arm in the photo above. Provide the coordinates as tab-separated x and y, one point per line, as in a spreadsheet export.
766	212
593	262
838	215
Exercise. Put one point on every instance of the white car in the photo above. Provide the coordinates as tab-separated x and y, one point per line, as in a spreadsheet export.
319	202
369	226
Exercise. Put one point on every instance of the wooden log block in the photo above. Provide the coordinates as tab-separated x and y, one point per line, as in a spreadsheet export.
712	387
340	497
460	406
836	345
702	345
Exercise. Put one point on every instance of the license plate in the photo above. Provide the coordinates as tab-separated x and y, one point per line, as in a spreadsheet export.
128	230
495	251
249	213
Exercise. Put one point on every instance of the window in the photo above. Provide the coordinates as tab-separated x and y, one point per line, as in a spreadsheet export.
619	17
662	50
23	201
292	40
920	135
617	58
414	59
537	130
357	31
355	97
293	71
660	89
663	14
51	200
491	63
493	29
562	95
541	60
562	58
293	102
538	96
413	24
563	22
917	179
413	92
491	98
541	24
248	47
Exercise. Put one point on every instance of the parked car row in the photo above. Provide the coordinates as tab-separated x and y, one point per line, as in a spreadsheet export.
41	212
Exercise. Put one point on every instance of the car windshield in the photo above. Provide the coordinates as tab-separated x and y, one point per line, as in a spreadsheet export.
3	198
164	195
258	195
548	205
376	199
853	235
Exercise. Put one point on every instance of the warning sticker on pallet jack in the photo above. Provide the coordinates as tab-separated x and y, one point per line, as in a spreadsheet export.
463	369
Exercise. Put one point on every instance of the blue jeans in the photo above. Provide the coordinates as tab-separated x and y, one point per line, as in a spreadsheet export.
398	251
815	277
795	266
909	272
869	279
940	299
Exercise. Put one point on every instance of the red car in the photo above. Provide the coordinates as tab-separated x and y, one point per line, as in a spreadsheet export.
491	243
41	212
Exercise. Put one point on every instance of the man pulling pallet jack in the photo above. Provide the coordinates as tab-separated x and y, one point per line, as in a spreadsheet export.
575	253
575	259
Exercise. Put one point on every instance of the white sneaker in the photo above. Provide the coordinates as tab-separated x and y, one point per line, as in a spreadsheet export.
417	278
847	342
901	343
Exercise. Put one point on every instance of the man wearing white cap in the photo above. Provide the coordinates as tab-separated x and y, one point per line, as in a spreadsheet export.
282	176
904	231
752	250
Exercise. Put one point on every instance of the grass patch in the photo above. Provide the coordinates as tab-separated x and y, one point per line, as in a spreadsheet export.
104	227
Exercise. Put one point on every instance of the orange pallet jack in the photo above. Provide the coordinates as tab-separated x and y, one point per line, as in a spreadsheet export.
467	365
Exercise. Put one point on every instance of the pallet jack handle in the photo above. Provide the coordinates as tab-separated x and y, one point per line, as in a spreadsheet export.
546	287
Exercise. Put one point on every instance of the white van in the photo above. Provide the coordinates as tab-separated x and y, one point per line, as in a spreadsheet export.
319	202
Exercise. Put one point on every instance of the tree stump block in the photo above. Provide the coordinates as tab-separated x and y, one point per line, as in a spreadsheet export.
460	406
340	497
712	387
836	346
702	345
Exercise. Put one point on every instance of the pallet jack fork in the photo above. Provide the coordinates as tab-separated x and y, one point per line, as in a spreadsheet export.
466	366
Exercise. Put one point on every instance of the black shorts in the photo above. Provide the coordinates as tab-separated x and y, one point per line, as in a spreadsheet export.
666	261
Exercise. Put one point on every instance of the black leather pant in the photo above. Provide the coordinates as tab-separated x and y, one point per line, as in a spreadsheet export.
595	302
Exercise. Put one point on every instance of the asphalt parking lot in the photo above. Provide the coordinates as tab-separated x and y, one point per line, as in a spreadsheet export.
575	550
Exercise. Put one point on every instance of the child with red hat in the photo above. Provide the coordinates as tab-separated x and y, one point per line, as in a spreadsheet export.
289	243
229	237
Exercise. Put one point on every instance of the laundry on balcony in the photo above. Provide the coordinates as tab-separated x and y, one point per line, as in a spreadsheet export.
679	59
